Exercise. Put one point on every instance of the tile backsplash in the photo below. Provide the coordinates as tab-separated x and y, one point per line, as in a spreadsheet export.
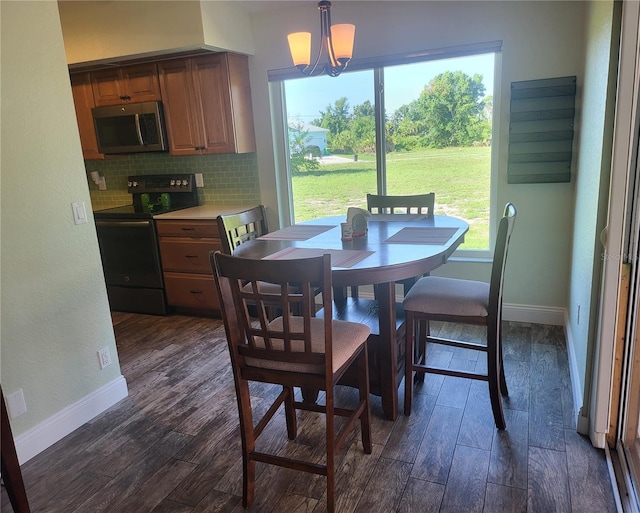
228	179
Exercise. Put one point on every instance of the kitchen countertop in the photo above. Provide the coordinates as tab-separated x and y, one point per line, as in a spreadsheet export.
202	212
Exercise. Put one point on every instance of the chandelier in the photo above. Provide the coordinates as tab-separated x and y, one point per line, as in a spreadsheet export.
336	41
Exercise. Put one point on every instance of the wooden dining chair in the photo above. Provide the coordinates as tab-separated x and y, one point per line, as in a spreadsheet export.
410	204
11	473
296	349
240	227
453	300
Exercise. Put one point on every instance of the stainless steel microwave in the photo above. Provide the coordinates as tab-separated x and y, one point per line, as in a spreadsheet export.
130	128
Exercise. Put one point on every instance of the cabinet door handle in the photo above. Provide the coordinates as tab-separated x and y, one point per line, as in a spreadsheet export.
196	291
191	256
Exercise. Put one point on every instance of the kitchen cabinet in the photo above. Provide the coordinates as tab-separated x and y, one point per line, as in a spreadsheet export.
126	84
207	104
83	101
184	250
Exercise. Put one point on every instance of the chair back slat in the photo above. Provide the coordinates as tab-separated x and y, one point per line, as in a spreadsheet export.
410	204
248	285
236	229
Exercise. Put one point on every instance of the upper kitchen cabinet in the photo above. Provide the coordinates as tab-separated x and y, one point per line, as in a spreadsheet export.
83	101
127	84
207	104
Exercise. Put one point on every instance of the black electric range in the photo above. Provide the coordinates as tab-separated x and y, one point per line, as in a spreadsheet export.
129	242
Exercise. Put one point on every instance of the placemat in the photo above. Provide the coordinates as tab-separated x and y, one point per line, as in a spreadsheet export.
297	232
397	217
339	257
422	235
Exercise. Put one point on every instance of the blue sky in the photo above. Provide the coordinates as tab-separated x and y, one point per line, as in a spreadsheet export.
403	84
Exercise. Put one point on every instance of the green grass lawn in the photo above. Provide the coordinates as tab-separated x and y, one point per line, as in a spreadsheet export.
460	178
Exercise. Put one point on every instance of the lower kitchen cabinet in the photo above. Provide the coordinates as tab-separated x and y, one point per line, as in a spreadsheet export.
184	249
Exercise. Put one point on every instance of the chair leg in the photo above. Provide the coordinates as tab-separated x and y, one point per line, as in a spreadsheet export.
331	446
248	442
421	349
503	380
290	414
494	370
363	388
248	480
408	362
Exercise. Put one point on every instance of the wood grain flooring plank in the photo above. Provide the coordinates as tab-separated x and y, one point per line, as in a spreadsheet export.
546	420
69	495
155	489
435	454
385	487
290	503
518	385
548	486
478	426
351	478
208	472
466	486
127	481
589	480
218	502
167	506
516	341
421	497
454	391
509	452
504	499
408	431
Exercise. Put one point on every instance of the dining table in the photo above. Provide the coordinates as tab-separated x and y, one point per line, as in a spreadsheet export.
394	247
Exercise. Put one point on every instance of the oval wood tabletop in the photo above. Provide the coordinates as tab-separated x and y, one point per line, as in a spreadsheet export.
396	246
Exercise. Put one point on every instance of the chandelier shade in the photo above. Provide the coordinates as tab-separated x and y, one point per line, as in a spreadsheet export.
336	44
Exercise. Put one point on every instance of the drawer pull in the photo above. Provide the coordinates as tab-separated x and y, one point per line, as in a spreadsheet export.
187	229
191	256
196	291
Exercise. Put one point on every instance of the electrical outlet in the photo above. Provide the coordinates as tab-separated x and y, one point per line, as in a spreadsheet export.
16	404
104	357
199	180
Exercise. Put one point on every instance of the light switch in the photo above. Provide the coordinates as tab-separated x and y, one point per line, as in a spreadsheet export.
79	213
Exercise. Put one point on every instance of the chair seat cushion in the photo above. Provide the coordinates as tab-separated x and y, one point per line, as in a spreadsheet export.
448	296
348	337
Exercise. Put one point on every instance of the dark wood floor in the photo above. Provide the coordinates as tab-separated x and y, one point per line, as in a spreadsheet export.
173	444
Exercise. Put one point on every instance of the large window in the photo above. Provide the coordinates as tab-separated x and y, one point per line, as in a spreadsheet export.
426	127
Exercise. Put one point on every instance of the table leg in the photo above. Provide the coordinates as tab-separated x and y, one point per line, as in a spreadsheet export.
339	297
386	296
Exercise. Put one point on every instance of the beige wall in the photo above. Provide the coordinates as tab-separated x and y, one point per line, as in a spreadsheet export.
104	31
539	40
592	191
55	314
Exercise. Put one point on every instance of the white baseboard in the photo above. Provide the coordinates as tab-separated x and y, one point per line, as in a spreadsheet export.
582	422
534	314
37	439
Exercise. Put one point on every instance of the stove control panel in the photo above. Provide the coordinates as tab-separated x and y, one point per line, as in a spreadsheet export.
161	183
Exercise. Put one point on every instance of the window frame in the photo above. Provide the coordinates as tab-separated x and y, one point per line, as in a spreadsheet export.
276	80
